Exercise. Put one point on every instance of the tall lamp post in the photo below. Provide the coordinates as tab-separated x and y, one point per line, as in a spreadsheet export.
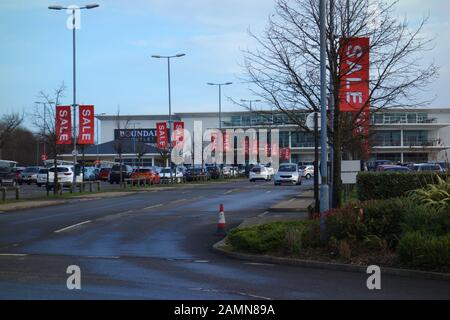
74	105
220	99
324	188
170	100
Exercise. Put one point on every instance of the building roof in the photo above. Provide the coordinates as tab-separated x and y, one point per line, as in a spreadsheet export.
128	147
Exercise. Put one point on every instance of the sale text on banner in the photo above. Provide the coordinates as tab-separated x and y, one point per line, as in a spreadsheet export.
86	130
63	125
161	135
354	72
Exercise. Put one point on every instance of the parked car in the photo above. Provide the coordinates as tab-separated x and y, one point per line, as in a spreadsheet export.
144	175
259	173
29	175
114	175
7	173
434	167
103	175
387	167
270	169
197	172
166	173
229	171
213	171
89	174
307	171
372	166
288	173
18	171
42	177
65	175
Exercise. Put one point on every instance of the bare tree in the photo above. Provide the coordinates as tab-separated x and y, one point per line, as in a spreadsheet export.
141	150
8	124
44	119
286	67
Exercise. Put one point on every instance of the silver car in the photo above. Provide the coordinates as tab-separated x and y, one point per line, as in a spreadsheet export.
288	173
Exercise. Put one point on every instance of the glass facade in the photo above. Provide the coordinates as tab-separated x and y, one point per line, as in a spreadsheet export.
302	139
415	138
388	138
401	117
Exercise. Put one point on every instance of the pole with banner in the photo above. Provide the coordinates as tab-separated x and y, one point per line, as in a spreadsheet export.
161	137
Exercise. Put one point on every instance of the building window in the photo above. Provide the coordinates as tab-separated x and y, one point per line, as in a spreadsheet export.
284	139
388	138
302	139
415	157
415	138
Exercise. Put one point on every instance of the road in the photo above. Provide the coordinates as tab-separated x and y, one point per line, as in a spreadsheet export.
156	245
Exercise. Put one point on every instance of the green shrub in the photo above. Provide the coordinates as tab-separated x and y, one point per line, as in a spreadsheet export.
435	196
428	221
347	223
423	251
286	236
385	185
383	218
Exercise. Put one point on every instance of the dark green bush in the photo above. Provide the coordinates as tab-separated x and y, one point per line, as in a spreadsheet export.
427	221
347	223
286	236
385	185
424	251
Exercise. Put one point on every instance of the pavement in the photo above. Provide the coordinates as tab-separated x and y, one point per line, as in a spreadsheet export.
157	245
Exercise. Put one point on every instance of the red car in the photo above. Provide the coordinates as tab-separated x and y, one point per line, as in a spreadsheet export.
145	174
104	174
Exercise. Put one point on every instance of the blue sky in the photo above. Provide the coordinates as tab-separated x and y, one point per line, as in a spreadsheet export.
116	41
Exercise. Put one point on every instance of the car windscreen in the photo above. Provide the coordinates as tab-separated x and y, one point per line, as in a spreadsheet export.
287	168
59	170
144	170
5	169
43	171
31	170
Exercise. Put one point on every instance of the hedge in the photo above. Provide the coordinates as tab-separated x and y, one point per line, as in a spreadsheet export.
385	185
425	251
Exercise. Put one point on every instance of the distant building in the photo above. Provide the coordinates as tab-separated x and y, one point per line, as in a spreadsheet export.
400	135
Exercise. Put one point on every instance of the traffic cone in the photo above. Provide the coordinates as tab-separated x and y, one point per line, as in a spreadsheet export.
221	224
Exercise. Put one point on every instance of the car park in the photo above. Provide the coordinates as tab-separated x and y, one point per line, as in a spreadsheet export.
307	171
288	173
259	173
29	175
42	177
114	175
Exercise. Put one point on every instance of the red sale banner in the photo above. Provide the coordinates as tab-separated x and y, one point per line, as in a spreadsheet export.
63	125
213	141
161	135
285	153
354	72
226	142
86	130
178	132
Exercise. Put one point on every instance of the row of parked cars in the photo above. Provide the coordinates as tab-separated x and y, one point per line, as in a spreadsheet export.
412	167
290	173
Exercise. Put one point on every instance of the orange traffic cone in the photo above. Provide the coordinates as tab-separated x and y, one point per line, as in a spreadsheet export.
221	224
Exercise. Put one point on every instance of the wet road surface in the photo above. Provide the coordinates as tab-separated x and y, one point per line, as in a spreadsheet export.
156	245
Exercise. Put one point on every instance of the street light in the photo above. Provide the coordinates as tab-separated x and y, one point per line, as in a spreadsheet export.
74	105
170	98
220	99
250	102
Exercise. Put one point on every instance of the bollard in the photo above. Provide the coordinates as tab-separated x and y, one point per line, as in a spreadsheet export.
98	186
60	189
17	193
3	194
90	186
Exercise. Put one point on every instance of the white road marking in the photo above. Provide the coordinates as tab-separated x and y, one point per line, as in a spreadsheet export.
13	255
179	200
263	214
104	257
230	191
72	226
269	191
154	206
259	264
201	261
